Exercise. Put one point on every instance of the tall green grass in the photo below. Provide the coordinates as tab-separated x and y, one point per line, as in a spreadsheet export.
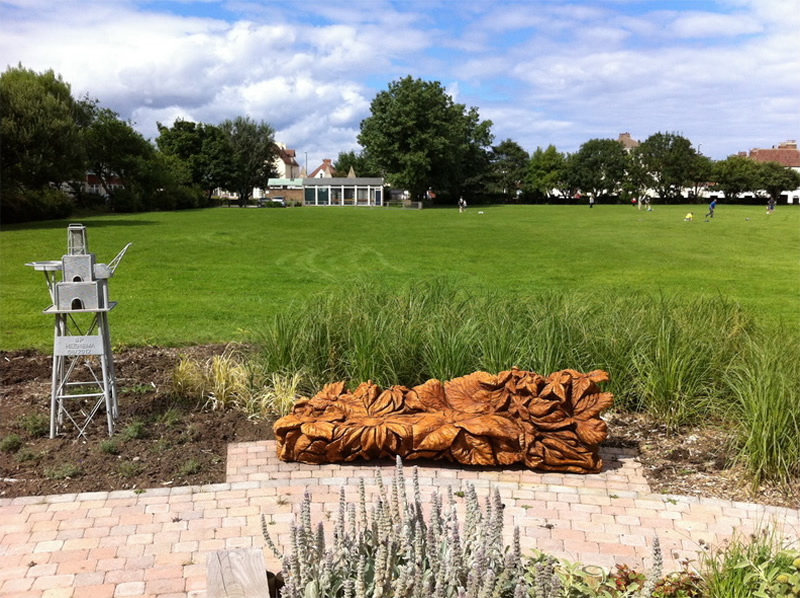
679	360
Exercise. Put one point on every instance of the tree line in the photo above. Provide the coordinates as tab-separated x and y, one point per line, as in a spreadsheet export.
420	139
416	137
52	143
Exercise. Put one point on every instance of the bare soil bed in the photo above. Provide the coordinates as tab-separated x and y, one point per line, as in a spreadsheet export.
161	441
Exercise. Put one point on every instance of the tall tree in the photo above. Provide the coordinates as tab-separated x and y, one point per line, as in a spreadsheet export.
509	165
205	151
116	150
667	159
546	172
736	175
776	178
254	150
700	173
40	127
420	138
599	167
358	161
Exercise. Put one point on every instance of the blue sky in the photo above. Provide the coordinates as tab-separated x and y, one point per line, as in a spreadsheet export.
725	74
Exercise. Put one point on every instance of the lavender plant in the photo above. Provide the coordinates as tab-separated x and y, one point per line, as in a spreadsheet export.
390	550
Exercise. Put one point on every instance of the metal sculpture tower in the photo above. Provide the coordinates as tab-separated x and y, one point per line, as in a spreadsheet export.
80	305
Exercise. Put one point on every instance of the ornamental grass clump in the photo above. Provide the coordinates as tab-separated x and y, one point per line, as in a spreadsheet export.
388	548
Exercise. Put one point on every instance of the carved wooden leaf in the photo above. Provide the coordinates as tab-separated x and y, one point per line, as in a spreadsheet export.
318	430
475	393
385	403
472	450
434	436
427	397
495	426
332	391
591	405
555	385
287	423
591	432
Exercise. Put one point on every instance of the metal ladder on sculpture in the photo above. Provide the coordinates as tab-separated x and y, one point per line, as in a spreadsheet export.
80	305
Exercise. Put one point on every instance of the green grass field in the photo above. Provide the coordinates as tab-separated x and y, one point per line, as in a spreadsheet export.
213	275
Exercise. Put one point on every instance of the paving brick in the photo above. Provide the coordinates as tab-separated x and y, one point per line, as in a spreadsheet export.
165	586
48	582
132	588
89	578
95	591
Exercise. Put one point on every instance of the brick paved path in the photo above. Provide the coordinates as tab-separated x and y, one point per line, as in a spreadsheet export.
116	544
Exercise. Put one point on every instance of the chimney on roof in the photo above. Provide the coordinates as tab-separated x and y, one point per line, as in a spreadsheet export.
326	161
790	144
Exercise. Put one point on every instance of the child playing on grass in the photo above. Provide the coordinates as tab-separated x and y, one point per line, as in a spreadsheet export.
689	217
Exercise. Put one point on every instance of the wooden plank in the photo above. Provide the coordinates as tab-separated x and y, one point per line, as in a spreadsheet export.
237	573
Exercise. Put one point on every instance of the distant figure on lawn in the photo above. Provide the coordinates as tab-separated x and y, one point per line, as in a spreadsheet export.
591	201
770	206
462	204
711	208
689	217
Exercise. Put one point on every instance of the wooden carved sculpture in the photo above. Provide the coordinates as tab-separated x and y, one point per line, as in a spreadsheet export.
549	424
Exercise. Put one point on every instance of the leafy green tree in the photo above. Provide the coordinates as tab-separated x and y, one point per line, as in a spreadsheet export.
117	151
40	129
254	150
776	178
736	175
667	160
205	151
637	180
547	170
509	166
420	138
358	161
700	173
599	167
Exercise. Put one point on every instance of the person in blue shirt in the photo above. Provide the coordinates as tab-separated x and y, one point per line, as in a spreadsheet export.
711	207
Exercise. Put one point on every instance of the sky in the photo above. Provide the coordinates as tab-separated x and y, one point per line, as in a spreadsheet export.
725	74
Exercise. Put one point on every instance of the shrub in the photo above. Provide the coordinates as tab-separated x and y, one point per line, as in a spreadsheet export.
109	446
125	200
23	205
134	430
276	397
762	565
190	467
35	425
392	550
10	443
231	380
129	469
26	454
63	472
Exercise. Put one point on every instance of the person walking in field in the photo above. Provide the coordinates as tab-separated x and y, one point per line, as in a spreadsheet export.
462	204
770	206
591	201
711	208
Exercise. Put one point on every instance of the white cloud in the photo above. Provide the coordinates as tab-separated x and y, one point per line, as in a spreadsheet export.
706	25
544	72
